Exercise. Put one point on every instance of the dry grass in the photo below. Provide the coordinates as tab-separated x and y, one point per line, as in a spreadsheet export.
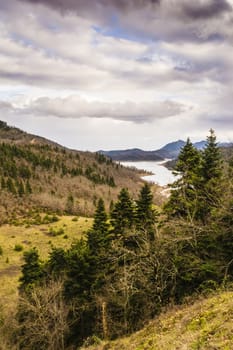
27	237
205	325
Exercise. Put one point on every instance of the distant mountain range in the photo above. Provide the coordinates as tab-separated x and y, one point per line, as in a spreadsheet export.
169	151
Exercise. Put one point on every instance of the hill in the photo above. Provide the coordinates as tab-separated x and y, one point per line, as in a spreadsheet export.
169	151
36	173
204	325
134	154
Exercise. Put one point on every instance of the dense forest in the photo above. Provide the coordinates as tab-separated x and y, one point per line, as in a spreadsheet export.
134	261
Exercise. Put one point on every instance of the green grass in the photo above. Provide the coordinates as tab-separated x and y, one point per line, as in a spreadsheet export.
16	239
206	324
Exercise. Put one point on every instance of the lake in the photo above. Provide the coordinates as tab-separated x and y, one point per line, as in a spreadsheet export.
161	175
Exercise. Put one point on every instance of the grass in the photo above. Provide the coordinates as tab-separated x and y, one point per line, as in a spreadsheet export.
16	239
207	324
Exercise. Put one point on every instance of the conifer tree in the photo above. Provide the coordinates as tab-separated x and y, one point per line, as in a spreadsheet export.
32	270
211	174
184	198
98	236
122	215
145	214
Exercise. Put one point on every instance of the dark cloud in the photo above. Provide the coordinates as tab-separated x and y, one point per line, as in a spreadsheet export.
84	5
198	10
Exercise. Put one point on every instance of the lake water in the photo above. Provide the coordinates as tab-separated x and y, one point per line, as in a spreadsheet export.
161	175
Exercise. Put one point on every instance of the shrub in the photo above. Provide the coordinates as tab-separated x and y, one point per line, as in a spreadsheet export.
18	247
56	232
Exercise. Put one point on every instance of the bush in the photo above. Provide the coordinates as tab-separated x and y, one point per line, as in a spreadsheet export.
56	232
18	248
50	219
1	251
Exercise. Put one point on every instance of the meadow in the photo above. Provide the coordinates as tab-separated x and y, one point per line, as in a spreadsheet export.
41	231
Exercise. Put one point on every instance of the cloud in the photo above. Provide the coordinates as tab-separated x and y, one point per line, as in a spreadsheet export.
114	57
82	5
184	19
205	9
200	9
76	107
6	107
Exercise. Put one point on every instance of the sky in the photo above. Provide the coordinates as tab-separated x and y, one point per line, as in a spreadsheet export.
117	74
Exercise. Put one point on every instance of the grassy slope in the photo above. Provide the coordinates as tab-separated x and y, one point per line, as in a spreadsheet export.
206	324
29	236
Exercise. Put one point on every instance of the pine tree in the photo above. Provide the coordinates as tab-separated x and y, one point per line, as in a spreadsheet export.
32	270
122	215
184	198
212	160
98	236
211	175
145	214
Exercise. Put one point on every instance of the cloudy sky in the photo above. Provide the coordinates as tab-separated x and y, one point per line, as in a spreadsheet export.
115	74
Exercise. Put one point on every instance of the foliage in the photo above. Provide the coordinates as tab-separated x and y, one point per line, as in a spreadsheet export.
18	247
32	270
133	261
123	213
197	192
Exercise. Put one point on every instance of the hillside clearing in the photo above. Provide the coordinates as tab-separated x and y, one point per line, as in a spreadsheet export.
15	240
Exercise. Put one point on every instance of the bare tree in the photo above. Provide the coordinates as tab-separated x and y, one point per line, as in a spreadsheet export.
43	318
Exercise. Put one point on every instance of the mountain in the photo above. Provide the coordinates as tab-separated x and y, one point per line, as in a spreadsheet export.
134	154
38	174
169	151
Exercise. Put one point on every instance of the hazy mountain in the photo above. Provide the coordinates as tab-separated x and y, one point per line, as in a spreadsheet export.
169	151
134	154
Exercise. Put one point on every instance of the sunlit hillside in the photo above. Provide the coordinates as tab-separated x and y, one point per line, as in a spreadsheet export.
206	324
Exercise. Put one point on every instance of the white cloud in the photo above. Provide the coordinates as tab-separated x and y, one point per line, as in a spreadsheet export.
162	63
75	107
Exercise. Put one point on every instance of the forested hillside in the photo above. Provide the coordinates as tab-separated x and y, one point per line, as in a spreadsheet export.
38	174
134	261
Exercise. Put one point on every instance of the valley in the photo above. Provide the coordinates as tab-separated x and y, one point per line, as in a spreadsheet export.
94	249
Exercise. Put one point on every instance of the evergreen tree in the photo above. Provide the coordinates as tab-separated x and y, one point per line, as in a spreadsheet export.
211	175
122	215
32	270
211	160
98	236
145	214
184	199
